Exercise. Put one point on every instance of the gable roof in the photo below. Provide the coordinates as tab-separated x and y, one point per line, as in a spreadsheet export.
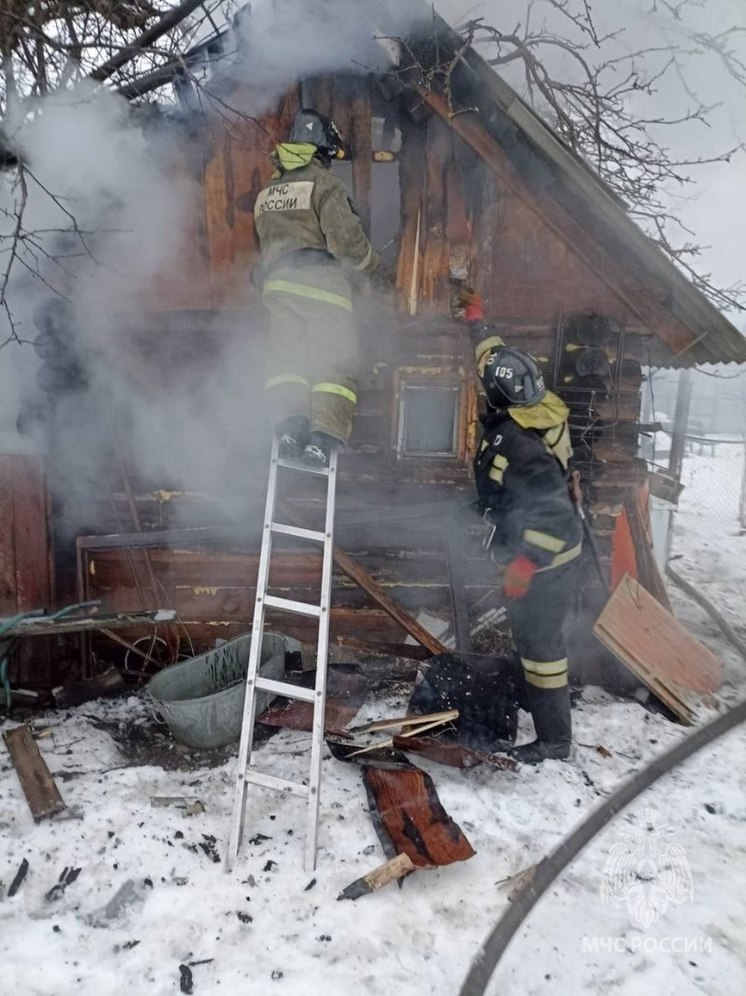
687	329
483	100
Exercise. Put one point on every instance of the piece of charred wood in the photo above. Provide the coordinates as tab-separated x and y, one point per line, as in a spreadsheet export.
409	817
383	757
67	877
393	870
411	176
376	647
108	683
403	721
36	780
426	723
345	693
453	754
20	875
435	256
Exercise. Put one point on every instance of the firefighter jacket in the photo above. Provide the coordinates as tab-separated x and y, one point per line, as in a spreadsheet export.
521	473
305	206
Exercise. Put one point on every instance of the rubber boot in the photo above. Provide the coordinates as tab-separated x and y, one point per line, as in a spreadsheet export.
318	448
293	433
550	709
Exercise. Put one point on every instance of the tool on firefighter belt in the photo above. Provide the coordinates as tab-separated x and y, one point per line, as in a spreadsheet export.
248	774
577	496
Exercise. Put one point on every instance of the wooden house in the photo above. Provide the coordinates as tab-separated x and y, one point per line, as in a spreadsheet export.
459	180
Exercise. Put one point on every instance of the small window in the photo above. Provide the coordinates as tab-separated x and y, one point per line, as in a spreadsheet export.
429	419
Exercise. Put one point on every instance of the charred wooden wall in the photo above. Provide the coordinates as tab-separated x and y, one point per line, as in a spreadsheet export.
462	216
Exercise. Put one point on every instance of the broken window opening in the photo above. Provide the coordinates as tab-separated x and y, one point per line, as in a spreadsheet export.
429	420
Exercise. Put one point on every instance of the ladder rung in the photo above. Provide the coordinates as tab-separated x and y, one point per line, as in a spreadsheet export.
290	605
278	784
302	467
309	534
286	689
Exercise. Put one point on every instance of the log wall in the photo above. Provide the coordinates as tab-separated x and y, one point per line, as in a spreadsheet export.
464	213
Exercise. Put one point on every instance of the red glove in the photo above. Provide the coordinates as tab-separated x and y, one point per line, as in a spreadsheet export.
471	302
518	575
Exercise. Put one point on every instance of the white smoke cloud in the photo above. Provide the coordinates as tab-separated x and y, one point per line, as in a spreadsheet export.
88	151
89	160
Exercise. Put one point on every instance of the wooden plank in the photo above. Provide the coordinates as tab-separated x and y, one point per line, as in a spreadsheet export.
411	175
486	229
406	650
434	290
8	594
392	870
399	722
362	147
453	754
247	166
38	785
365	581
647	568
674	665
219	236
377	593
25	559
30	534
410	818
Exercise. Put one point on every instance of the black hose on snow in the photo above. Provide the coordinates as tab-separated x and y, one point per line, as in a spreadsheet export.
547	870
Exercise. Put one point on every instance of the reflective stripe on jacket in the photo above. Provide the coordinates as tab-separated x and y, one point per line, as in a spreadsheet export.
524	486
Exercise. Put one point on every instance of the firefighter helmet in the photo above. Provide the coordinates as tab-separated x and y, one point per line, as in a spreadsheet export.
316	129
511	378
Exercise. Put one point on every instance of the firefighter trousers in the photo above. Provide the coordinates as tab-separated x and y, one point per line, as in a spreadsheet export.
314	360
537	621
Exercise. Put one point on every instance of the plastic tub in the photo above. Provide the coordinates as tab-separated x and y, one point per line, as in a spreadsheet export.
202	699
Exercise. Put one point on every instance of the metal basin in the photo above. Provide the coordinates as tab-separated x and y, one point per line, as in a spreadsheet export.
202	699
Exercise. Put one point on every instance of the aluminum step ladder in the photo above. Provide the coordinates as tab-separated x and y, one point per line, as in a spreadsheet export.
247	774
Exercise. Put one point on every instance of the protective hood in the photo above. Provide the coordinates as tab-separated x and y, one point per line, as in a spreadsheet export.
293	155
548	413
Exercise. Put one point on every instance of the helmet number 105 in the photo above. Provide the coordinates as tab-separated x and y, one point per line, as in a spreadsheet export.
506	372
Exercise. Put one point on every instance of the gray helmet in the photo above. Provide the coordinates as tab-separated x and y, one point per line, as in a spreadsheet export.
316	129
511	378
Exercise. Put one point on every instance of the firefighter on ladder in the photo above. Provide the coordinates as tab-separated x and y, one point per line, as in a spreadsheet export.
313	249
521	469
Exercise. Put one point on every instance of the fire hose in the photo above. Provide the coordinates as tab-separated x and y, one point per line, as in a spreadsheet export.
549	868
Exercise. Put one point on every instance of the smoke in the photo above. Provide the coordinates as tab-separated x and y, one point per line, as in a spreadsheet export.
295	39
106	213
109	204
110	200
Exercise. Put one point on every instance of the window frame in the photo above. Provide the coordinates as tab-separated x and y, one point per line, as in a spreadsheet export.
442	378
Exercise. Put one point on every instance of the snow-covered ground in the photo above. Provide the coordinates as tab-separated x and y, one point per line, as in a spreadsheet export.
273	928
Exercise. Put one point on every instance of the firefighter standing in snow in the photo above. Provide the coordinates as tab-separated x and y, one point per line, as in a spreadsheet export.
521	469
312	243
